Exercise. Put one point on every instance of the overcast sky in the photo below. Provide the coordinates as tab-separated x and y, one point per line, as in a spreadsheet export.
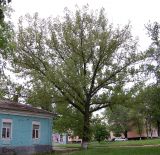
138	12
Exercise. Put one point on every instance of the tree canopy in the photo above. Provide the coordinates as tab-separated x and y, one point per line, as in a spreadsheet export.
6	33
82	56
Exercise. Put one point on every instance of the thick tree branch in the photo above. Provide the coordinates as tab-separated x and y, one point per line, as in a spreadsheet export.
94	91
75	91
100	107
70	101
94	76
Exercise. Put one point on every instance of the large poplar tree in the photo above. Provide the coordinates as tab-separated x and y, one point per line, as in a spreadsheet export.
82	56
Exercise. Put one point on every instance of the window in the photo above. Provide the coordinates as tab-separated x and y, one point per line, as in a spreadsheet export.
6	129
36	130
61	138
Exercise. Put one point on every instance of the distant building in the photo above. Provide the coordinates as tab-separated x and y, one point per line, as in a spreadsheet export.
74	139
24	130
133	134
60	138
64	138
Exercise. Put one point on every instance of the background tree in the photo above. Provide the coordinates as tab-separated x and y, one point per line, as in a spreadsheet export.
82	56
3	4
6	33
6	30
119	120
99	129
132	111
153	61
153	53
148	101
137	121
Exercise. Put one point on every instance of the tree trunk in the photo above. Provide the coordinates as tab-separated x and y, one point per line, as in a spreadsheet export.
147	129
125	134
140	131
158	128
15	98
140	135
150	130
86	129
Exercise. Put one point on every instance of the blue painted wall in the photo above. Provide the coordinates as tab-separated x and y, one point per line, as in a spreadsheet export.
22	131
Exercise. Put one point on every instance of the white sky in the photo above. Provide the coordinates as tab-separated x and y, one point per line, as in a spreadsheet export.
139	12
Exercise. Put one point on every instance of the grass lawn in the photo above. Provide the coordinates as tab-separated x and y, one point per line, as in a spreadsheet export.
116	151
127	143
117	143
137	147
120	151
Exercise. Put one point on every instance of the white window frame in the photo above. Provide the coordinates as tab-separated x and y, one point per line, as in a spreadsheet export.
36	123
6	121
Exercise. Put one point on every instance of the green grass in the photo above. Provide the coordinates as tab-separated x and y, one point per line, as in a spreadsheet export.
127	143
117	143
120	151
116	151
136	147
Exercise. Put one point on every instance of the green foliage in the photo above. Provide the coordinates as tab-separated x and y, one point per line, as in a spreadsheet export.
3	86
99	129
132	112
153	54
3	4
137	121
6	35
101	133
148	100
41	96
119	119
66	117
68	120
153	68
6	29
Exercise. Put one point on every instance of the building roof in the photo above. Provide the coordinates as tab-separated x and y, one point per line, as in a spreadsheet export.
14	106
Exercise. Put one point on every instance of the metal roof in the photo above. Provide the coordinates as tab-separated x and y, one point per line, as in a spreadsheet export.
10	105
